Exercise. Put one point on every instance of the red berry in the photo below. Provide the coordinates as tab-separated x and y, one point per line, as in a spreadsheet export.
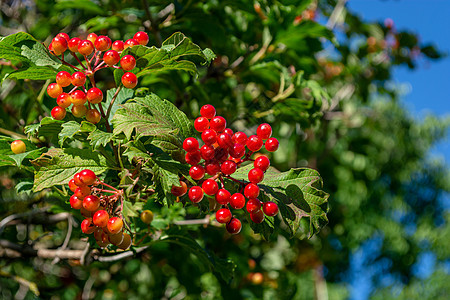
237	150
129	80
208	111
207	152
78	78
251	190
262	162
87	226
85	47
209	136
253	205
82	191
58	113
264	131
270	208
257	217
193	158
79	110
111	57
63	78
64	100
75	202
91	37
94	95
100	218
218	123
197	172
239	138
190	144
210	187
221	155
228	167
272	145
223	215
78	97
130	43
179	190
91	202
128	62
117	46
102	43
76	180
229	131
224	140
73	44
237	201
254	143
223	196
255	175
212	168
72	185
59	44
87	177
93	116
201	124
234	226
195	194
115	225
54	90
141	37
63	35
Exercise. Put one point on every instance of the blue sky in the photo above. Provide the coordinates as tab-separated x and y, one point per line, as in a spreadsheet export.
429	85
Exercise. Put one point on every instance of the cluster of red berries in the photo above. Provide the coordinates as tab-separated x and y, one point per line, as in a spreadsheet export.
79	95
220	156
97	208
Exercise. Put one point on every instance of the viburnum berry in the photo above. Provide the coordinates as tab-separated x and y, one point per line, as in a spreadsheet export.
94	95
146	216
212	168
54	90
237	150
239	138
209	136
117	46
208	111
77	180
115	225
130	43
262	162
126	242
193	158
100	218
210	187
129	80
75	202
221	155
18	147
85	213
179	190
218	123
78	78
91	202
190	144
255	175
59	44
197	172
237	201
229	131
64	100
251	190
224	140
73	44
223	196
201	124
111	57
58	113
85	47
72	185
141	37
228	167
271	145
78	97
102	43
223	215
270	208
254	143
195	194
264	131
115	239
253	205
63	78
87	177
207	152
93	116
82	191
91	37
128	62
79	111
234	226
257	217
63	35
87	226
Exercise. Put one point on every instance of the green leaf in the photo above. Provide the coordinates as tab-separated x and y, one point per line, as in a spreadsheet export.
18	158
123	96
84	5
298	194
264	228
58	166
165	175
49	127
11	46
69	129
33	73
99	138
131	210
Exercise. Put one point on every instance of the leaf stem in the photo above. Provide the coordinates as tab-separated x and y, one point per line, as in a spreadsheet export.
112	101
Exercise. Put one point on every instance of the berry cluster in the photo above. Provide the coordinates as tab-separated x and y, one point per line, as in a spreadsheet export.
98	209
91	50
221	155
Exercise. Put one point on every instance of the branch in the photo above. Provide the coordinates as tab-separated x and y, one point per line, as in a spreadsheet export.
338	9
